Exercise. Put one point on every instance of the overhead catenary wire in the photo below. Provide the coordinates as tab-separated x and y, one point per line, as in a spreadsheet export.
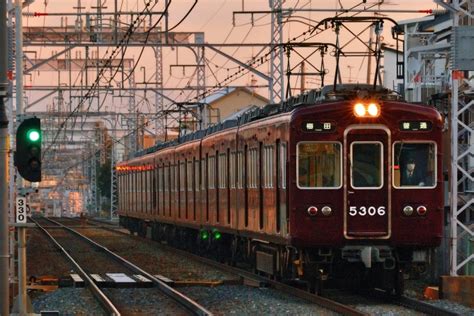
236	75
123	41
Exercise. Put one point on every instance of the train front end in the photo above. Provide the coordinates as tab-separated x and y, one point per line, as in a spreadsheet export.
366	187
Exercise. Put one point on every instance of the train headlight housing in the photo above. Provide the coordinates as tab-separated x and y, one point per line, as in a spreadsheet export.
373	109
359	110
408	210
421	210
366	110
326	210
312	210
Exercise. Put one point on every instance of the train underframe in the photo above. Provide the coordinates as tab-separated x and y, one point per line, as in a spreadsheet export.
356	267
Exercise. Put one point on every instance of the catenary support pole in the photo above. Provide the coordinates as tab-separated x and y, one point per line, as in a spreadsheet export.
4	148
22	296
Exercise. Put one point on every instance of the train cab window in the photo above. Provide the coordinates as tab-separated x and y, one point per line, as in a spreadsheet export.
414	165
319	165
366	165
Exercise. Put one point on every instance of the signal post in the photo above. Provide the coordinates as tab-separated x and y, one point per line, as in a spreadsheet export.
4	149
28	163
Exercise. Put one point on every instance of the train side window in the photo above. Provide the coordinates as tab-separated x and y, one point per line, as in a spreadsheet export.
166	178
252	165
189	174
197	169
414	165
182	176
204	174
211	171
283	165
240	170
318	164
232	174
222	171
366	165
196	187
268	167
146	189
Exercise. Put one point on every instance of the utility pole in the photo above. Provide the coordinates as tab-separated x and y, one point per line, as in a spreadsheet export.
4	149
369	56
21	231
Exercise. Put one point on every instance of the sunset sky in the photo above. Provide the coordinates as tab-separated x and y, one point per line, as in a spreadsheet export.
214	17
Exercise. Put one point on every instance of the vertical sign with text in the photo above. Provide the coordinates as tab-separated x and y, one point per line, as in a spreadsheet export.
21	210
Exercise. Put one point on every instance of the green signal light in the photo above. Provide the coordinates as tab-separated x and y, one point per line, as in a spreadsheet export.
216	234
33	135
204	235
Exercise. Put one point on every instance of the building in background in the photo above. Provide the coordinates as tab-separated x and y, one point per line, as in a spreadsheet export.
391	77
228	101
426	56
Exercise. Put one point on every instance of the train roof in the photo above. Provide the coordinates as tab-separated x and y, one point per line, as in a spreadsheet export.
328	93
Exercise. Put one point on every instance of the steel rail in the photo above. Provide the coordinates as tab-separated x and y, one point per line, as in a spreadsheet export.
423	307
410	303
180	298
98	294
320	301
404	301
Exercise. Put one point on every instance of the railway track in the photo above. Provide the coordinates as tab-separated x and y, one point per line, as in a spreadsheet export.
240	278
409	304
404	305
92	260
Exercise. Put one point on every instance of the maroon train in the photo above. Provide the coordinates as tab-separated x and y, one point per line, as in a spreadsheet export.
340	184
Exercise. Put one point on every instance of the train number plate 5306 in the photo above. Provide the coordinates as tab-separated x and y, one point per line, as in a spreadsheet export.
367	210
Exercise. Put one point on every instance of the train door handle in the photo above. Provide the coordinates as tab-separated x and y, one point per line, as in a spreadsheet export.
350	192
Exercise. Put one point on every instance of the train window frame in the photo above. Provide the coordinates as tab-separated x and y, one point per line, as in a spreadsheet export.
211	161
252	167
382	182
182	175
297	165
240	170
197	174
232	167
222	171
415	187
268	165
189	175
283	162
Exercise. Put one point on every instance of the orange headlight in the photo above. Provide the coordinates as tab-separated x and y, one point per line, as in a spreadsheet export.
373	109
359	109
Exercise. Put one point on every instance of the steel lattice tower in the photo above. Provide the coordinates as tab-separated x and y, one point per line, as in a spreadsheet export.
113	180
277	91
462	140
159	126
201	79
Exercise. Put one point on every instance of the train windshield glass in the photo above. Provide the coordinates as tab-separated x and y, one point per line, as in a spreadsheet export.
414	165
366	165
319	165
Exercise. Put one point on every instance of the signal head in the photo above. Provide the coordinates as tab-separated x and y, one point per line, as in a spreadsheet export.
28	149
33	135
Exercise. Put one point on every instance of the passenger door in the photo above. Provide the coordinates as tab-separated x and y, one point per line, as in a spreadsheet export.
367	194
